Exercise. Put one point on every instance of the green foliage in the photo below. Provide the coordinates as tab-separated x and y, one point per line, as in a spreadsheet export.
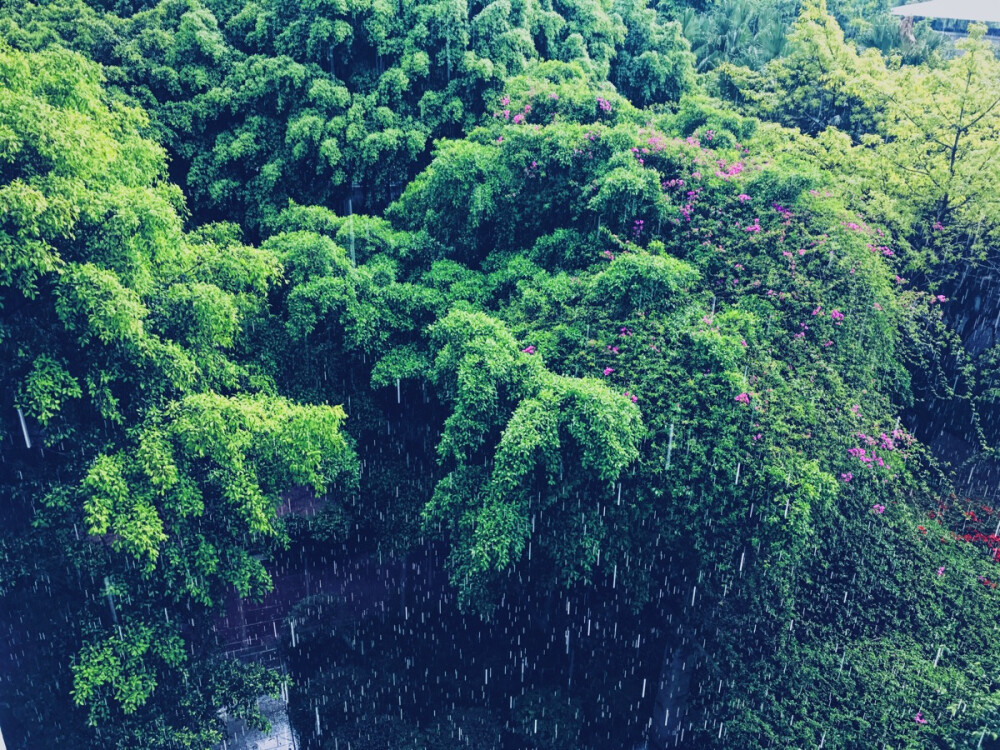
940	137
654	65
641	281
121	336
545	432
820	82
610	336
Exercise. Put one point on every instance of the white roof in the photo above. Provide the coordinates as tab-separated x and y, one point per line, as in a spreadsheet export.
960	10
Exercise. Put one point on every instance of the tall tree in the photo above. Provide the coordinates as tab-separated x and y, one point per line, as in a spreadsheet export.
154	457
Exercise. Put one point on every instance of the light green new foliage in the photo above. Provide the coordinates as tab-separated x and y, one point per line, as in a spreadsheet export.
222	458
120	663
46	388
166	453
941	141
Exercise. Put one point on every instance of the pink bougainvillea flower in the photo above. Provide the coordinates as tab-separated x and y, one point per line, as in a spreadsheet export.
742	197
937	226
941	571
879	509
836	315
528	350
743	398
919	718
608	370
847	476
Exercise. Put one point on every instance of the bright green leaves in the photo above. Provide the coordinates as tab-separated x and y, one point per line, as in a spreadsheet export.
362	301
603	425
108	491
252	448
93	303
114	506
308	256
495	37
819	83
119	669
63	147
564	92
530	439
509	184
402	362
201	316
46	388
941	139
800	492
213	463
166	453
457	195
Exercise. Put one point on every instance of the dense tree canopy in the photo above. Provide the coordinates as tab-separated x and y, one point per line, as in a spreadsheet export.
649	314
